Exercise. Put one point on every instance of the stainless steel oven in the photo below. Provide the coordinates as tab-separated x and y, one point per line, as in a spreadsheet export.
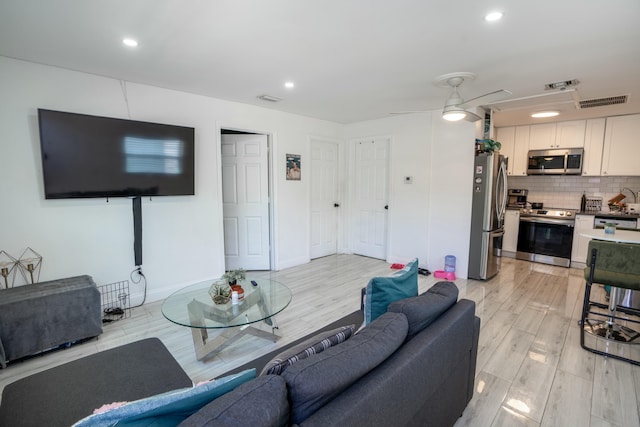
546	236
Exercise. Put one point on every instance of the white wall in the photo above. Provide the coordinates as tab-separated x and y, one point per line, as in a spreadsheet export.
451	193
182	236
431	217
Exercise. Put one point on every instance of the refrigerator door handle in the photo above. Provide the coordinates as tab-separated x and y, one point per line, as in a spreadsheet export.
497	233
501	195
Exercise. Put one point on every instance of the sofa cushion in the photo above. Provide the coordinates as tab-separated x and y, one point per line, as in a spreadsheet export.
166	409
316	380
258	403
382	291
422	310
313	345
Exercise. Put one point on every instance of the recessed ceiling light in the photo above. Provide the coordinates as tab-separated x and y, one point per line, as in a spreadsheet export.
493	16
543	114
130	42
289	85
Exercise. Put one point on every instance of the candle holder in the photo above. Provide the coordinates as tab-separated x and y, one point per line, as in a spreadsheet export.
30	263
8	266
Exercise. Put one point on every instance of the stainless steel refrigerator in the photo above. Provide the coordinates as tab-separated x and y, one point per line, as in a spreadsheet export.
487	215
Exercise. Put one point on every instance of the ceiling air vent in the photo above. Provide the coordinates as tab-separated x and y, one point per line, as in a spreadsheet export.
602	102
269	98
565	84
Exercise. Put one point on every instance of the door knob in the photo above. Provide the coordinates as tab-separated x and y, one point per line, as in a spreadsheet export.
336	205
386	207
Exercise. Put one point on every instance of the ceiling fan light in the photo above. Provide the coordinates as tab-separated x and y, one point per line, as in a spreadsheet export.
454	116
544	114
453	113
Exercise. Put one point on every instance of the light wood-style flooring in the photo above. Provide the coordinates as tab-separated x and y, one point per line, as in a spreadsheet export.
531	370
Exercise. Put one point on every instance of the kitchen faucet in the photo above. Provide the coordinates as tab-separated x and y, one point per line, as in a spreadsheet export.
635	197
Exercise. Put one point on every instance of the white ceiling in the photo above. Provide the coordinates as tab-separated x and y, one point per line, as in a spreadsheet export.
351	60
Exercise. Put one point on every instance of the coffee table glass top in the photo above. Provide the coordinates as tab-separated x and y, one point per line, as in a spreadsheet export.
193	307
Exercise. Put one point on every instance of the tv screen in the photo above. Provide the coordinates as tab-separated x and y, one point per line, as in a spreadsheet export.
91	156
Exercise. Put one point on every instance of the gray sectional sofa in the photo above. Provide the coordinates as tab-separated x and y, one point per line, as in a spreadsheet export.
412	366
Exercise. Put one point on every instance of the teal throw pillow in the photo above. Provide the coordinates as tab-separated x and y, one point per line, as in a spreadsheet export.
382	291
167	409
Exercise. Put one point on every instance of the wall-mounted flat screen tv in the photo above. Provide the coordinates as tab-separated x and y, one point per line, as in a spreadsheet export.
91	156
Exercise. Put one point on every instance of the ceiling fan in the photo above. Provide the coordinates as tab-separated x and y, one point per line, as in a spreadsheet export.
455	107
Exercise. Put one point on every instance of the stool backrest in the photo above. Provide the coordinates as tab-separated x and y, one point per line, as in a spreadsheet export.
617	264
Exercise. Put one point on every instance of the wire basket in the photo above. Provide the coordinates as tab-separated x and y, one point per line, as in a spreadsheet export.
593	204
116	301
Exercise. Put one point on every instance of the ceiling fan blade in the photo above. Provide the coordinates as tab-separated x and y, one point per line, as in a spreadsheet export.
398	113
491	96
471	117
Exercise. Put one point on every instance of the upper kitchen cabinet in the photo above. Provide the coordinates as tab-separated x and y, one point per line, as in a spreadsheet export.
507	138
593	142
515	146
621	153
557	135
542	137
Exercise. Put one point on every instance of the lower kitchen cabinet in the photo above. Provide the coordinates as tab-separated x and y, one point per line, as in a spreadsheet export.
511	225
580	243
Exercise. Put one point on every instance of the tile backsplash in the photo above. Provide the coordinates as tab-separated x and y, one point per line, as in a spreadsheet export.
565	191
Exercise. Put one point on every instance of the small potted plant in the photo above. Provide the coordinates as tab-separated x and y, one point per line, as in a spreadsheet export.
232	276
487	145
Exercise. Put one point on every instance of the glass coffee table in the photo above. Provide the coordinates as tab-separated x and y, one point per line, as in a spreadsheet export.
216	326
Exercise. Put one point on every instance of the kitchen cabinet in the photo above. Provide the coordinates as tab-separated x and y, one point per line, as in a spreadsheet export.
570	134
511	226
515	146
621	152
557	135
593	144
580	244
542	137
507	138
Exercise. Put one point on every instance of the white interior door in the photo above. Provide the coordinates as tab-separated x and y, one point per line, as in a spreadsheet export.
245	195
370	198
324	198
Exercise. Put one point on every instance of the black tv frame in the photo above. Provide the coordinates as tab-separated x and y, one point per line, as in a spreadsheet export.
86	156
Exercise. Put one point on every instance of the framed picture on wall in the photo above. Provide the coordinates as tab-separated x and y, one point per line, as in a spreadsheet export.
293	167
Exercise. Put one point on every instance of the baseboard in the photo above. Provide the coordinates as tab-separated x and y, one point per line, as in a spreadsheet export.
292	263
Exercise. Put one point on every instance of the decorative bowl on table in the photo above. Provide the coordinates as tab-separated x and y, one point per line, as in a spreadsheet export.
220	292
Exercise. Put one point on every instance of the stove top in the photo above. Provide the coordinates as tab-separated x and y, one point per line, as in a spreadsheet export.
549	212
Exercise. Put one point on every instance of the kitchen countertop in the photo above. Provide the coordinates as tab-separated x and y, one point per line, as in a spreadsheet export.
602	214
609	214
622	236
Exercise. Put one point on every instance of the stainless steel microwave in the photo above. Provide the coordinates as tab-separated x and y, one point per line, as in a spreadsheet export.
567	161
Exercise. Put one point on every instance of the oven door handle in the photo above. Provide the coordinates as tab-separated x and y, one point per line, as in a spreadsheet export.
548	221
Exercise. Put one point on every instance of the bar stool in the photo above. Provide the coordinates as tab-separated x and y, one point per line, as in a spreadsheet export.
616	265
